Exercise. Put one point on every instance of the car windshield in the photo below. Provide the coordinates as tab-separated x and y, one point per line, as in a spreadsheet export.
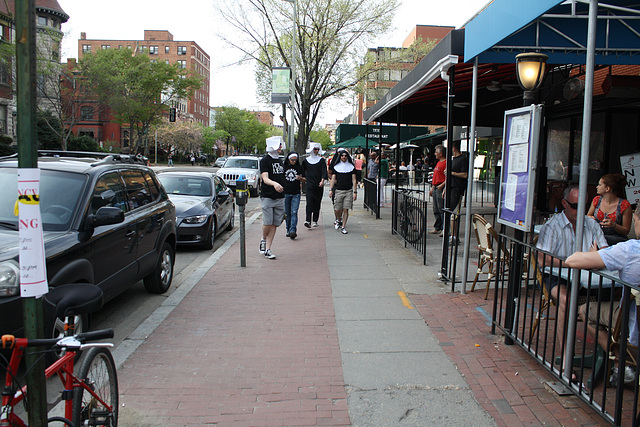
185	185
241	163
59	196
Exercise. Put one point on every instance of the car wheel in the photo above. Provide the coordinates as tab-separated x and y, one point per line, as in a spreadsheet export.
211	237
232	219
160	279
81	323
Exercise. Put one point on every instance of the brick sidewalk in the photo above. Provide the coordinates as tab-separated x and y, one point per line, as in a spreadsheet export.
247	346
506	381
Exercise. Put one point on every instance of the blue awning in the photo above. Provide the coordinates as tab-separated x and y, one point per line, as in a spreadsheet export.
555	27
498	20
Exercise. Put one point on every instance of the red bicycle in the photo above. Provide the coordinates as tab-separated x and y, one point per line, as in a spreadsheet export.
90	396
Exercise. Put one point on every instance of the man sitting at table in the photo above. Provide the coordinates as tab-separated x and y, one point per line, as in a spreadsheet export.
558	237
623	257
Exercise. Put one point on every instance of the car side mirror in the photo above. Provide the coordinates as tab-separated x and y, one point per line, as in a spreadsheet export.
106	215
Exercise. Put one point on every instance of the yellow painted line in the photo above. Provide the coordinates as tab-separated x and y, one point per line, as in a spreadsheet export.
366	237
405	300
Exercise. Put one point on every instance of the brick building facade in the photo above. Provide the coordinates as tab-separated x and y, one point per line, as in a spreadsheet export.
160	46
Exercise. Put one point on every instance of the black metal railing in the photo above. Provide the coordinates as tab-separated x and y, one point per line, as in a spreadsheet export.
370	200
539	321
409	218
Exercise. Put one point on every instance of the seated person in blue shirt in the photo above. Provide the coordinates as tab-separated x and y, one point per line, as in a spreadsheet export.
623	257
558	237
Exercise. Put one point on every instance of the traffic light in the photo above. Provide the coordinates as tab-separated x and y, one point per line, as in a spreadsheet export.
172	114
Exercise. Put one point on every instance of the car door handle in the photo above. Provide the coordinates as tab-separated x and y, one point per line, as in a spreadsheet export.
130	234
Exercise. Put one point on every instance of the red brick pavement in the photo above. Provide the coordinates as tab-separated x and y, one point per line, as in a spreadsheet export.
505	380
247	346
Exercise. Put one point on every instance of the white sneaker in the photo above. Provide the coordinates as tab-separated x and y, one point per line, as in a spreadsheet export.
315	224
344	231
263	246
337	224
307	224
269	254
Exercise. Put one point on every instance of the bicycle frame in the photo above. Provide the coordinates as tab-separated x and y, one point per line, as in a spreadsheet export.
63	367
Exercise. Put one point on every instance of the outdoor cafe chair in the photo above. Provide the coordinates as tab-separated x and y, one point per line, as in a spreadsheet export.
487	237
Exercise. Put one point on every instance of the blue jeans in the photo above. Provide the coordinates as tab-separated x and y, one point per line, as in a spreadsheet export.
291	205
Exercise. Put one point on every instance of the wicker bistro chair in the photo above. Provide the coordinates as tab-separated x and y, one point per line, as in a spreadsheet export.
488	255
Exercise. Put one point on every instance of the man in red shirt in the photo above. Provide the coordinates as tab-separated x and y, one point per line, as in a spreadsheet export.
437	188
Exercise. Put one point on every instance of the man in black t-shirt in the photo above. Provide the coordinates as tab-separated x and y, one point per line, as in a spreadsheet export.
293	177
343	189
459	175
271	194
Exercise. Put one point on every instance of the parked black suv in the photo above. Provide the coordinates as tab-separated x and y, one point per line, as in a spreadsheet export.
106	222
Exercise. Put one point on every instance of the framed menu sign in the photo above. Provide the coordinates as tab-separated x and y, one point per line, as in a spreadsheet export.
521	136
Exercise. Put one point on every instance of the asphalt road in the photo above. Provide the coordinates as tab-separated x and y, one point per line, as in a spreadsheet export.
127	311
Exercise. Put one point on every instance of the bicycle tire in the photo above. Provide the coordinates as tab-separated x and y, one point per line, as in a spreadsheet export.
413	224
98	370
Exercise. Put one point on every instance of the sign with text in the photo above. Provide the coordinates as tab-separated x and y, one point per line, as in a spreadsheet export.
280	85
631	170
519	160
33	273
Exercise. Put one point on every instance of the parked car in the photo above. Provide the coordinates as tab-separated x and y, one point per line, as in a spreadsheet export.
106	222
242	165
204	206
220	161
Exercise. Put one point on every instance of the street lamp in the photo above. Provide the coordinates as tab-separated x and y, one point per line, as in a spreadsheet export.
292	96
530	68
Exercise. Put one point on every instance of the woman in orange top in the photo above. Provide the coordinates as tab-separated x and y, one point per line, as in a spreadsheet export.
611	209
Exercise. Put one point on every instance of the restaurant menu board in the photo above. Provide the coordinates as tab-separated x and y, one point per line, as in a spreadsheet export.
631	170
519	159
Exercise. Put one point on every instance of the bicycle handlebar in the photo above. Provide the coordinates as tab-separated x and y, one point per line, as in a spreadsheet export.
8	340
409	190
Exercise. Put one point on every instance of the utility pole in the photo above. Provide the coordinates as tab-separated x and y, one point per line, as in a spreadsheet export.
28	159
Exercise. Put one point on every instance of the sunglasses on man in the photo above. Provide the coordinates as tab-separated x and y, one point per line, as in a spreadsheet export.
574	206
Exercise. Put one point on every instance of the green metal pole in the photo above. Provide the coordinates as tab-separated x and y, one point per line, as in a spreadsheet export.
28	158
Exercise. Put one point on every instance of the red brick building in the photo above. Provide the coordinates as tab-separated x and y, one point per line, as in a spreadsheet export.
377	84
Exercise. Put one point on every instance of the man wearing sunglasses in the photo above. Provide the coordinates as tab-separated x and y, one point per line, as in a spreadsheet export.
558	237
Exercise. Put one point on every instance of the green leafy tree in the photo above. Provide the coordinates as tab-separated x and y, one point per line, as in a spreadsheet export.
322	136
48	131
136	89
331	39
83	143
240	130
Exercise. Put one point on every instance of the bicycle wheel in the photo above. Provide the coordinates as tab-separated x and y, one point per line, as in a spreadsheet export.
414	223
98	370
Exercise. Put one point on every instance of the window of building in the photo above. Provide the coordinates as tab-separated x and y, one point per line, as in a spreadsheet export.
166	61
119	46
3	119
86	48
4	73
42	20
86	113
106	46
166	49
153	50
182	50
142	48
182	63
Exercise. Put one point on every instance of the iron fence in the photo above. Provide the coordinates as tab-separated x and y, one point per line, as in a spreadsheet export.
409	218
583	355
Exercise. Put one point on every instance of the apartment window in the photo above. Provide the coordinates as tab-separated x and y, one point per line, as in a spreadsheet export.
182	50
86	113
42	20
119	46
86	48
166	49
182	63
4	72
166	61
106	46
142	48
153	50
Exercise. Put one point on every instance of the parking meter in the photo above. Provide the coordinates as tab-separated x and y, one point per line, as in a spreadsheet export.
242	194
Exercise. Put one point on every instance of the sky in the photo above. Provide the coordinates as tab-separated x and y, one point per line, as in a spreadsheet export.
196	20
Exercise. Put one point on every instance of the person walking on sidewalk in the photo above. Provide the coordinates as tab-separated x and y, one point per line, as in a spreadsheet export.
437	188
293	175
459	175
343	183
271	194
332	163
384	175
315	171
